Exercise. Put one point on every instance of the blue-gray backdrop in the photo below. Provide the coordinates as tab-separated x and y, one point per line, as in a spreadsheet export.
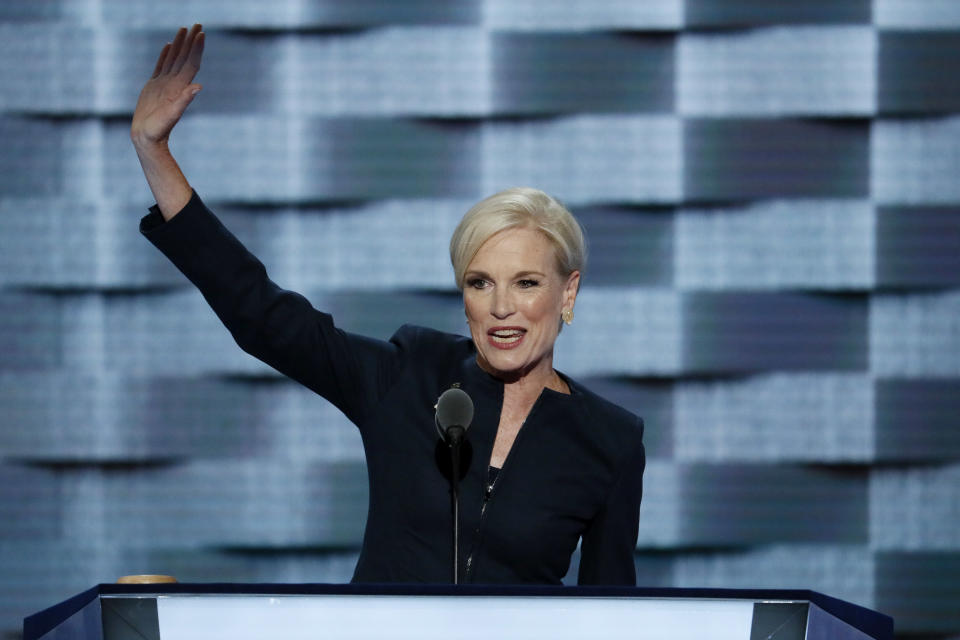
772	199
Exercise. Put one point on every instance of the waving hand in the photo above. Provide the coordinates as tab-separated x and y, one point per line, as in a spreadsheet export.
170	89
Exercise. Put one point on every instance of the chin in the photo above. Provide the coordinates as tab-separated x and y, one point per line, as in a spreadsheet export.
500	364
506	369
506	366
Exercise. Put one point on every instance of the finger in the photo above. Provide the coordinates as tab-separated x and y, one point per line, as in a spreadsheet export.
196	52
184	52
163	54
174	49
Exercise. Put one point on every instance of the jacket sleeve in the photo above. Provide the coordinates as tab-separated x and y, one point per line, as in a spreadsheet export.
279	327
608	545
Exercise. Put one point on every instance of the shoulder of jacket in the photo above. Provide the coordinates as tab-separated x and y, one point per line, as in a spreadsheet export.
417	339
616	422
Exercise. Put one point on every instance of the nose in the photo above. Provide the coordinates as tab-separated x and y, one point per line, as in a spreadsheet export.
501	304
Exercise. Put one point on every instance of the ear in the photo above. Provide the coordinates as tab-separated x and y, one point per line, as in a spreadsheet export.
570	290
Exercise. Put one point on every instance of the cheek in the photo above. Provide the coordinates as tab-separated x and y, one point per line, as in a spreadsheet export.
469	307
542	309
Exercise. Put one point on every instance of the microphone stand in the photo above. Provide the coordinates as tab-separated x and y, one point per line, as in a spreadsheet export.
454	437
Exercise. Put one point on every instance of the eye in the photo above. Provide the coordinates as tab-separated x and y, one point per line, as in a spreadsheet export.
476	283
527	283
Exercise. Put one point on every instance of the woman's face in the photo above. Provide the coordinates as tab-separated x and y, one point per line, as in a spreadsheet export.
513	295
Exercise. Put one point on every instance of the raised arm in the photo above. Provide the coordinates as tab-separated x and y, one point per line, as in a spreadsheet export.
161	104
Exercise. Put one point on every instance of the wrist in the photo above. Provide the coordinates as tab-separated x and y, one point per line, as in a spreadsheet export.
145	146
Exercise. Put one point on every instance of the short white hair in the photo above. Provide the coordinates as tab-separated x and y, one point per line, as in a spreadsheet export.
518	207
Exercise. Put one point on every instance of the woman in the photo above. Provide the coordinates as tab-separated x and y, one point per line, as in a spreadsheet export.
553	463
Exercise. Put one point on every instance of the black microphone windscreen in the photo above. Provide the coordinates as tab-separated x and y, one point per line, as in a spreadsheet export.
454	408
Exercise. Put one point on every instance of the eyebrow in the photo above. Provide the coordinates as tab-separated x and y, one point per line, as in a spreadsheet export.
519	274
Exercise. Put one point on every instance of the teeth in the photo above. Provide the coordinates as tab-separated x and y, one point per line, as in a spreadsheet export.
507	336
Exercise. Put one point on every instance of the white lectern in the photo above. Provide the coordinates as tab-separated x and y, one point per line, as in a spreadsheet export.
295	612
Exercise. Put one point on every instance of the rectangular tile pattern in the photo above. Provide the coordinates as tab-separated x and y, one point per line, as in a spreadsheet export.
770	192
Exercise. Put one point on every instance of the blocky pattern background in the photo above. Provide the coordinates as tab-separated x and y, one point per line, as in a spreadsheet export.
772	198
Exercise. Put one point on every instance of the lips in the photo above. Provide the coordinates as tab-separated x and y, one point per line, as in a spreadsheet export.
506	337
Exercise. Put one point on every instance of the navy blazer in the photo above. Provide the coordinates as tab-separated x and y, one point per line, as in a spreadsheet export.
575	470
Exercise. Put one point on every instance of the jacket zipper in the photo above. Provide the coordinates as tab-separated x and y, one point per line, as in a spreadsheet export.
503	470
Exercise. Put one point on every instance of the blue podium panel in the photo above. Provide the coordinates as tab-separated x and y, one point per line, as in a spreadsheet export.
294	612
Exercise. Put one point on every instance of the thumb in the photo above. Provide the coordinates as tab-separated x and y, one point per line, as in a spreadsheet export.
187	95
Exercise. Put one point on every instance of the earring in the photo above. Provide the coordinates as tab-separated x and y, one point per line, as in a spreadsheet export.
567	316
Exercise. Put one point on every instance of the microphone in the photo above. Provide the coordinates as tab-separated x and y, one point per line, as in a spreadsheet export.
454	414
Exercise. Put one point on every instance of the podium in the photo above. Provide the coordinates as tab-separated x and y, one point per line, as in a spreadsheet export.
295	612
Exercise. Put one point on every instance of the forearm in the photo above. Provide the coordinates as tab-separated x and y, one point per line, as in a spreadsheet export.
167	182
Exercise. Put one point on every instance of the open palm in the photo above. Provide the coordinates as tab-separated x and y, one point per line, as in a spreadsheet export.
170	89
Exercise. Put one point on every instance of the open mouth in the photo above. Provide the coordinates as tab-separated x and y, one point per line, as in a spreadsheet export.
506	338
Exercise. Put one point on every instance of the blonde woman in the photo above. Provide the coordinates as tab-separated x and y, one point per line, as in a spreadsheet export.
554	464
